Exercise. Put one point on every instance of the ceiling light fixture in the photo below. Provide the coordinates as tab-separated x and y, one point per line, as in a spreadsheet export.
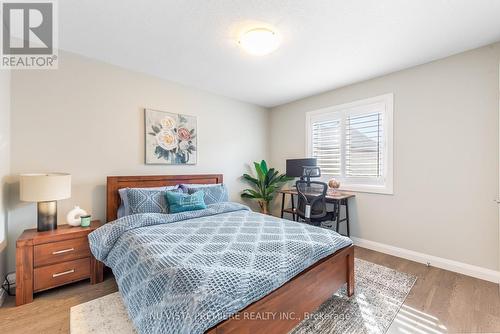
259	41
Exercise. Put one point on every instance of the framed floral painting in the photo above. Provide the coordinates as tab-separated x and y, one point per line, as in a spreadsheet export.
170	138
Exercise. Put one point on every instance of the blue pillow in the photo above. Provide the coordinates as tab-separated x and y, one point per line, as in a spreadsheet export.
124	208
147	200
212	194
180	202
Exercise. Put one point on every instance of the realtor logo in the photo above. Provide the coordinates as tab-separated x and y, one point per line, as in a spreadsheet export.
28	35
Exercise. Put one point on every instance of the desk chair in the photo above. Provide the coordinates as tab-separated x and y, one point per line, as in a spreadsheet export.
311	205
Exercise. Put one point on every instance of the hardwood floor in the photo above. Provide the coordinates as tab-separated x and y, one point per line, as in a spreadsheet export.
440	302
49	311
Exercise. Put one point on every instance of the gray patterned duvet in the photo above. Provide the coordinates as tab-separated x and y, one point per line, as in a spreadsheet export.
186	272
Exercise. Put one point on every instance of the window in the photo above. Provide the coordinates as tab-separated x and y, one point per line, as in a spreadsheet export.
353	143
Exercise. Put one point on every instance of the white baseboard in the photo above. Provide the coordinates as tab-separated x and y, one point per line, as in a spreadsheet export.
439	262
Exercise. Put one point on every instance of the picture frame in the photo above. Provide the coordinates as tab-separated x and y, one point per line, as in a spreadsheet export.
170	138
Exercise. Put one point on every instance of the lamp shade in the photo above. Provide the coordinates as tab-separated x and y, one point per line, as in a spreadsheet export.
45	187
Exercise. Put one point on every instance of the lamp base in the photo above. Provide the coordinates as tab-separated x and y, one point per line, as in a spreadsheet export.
47	216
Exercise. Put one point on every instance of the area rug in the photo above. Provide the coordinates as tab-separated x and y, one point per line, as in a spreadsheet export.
379	294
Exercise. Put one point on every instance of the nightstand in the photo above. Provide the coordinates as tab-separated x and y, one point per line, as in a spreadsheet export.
45	260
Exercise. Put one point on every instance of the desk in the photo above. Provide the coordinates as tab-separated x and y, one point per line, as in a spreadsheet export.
338	198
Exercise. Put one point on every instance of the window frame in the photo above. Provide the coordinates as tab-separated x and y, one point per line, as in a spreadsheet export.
359	184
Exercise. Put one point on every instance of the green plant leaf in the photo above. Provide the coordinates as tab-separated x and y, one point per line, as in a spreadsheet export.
259	171
271	176
251	179
263	166
249	193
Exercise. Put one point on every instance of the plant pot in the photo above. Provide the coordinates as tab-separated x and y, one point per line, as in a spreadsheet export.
264	207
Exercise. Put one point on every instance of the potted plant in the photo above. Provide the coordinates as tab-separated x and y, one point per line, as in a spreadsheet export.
265	185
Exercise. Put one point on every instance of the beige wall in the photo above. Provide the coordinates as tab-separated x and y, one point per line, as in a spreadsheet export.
445	157
86	118
4	164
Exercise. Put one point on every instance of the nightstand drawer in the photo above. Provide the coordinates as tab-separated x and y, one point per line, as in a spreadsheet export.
61	251
58	274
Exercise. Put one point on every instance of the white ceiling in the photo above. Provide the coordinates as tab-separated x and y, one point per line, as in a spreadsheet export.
326	43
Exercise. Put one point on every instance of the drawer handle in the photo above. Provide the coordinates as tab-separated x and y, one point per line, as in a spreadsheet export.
63	273
63	251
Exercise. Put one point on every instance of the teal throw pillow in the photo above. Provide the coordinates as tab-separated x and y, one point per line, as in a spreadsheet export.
180	202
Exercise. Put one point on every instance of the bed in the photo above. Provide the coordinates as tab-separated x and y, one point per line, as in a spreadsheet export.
290	298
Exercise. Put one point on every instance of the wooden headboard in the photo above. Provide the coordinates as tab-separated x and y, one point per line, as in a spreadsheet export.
117	182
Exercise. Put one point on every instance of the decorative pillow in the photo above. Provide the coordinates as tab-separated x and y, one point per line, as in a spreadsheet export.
147	200
121	209
212	194
180	202
196	185
186	186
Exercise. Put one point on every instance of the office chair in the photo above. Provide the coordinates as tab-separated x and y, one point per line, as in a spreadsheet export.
311	205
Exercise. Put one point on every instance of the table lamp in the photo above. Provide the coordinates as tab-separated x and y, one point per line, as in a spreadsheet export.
45	189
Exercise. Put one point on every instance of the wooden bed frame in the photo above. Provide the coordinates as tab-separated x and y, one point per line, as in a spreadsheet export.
146	181
281	310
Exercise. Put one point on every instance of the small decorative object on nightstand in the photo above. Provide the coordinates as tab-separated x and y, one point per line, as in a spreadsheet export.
46	190
45	260
85	221
74	216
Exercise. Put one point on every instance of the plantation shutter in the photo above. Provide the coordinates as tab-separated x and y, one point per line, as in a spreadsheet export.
326	145
364	146
353	142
